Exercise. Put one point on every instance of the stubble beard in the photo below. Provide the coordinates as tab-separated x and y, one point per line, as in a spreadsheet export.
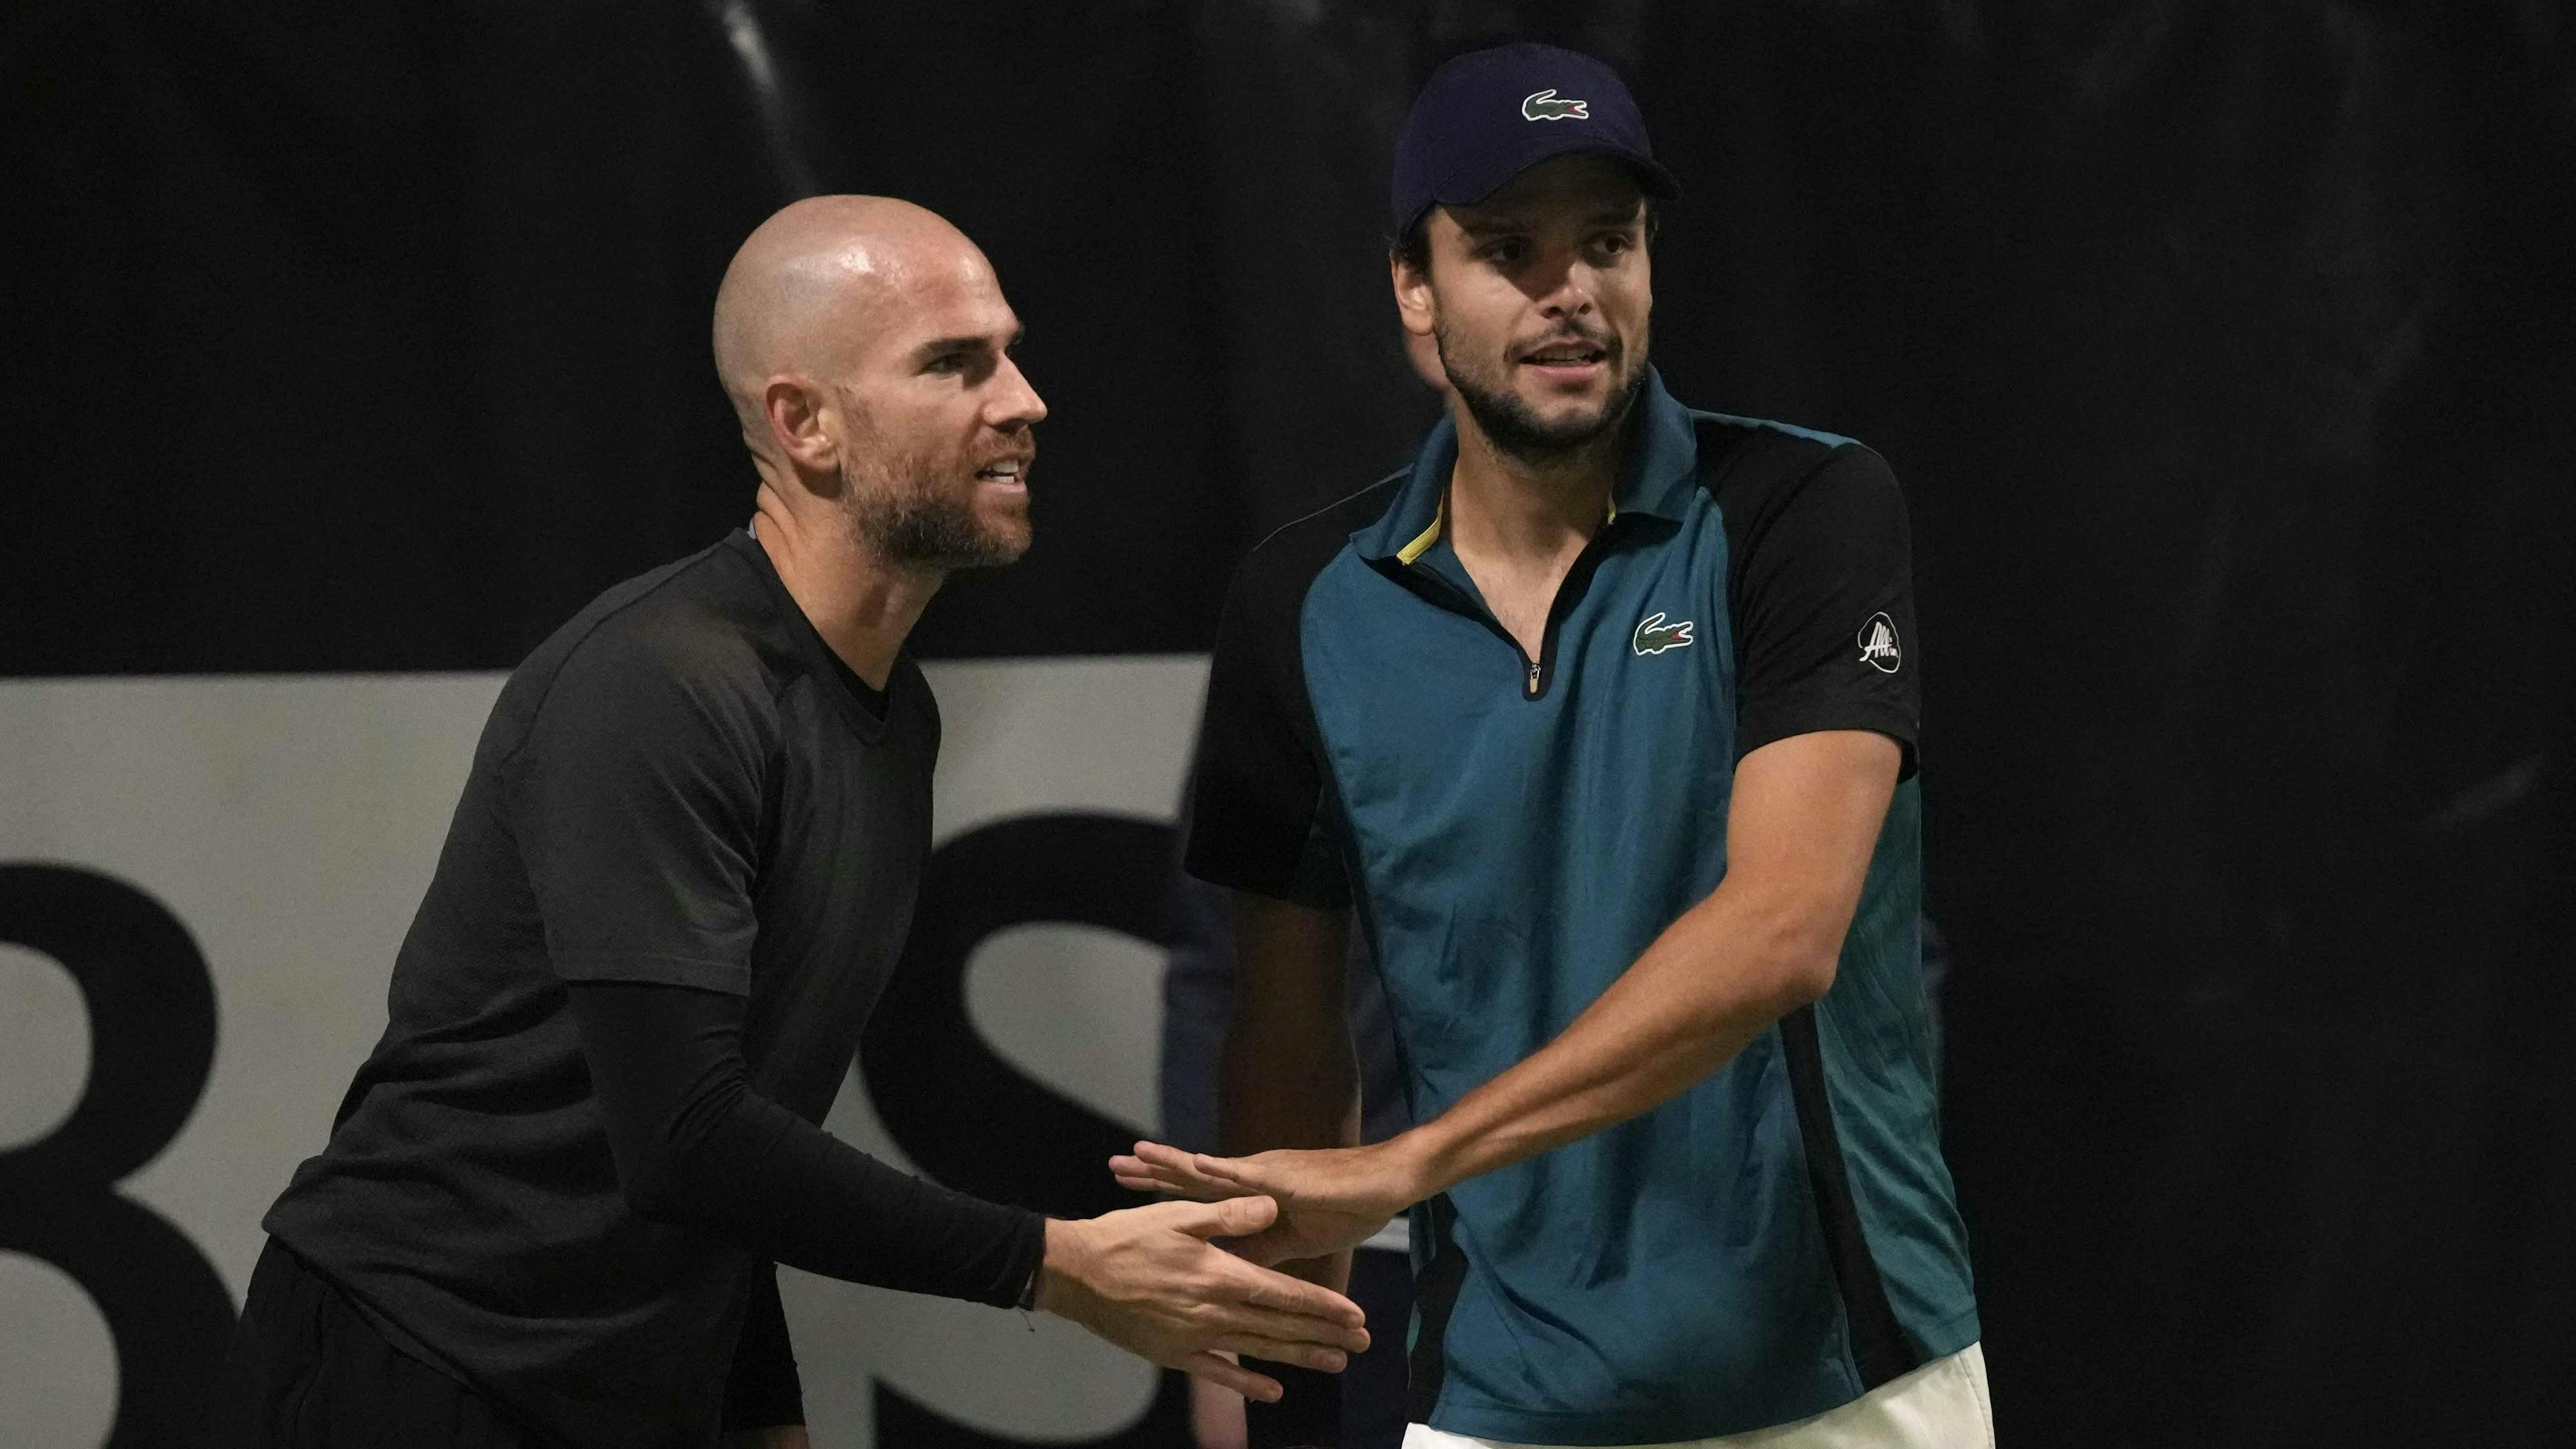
1520	433
910	517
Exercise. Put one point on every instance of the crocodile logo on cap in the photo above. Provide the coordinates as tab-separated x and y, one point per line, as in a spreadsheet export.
1544	106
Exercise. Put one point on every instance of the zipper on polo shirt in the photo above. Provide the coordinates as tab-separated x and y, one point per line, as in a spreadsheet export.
1535	673
1576	583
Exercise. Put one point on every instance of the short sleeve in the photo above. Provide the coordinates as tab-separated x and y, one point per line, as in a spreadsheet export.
1822	596
1260	814
635	801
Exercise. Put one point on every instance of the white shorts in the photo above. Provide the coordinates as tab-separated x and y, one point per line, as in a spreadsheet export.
1942	1405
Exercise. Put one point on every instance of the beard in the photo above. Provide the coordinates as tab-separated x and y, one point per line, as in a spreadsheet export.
1517	431
915	511
936	526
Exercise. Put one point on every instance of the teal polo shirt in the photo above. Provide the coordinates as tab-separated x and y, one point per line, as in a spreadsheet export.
1513	832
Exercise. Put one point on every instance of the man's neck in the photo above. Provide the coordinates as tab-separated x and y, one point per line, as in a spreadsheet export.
863	605
1510	508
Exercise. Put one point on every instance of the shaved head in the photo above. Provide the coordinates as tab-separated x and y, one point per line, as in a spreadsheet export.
865	345
817	282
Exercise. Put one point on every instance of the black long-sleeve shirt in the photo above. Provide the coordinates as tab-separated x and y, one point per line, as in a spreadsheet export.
680	873
696	1147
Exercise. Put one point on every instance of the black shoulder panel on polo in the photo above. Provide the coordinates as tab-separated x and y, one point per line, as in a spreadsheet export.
1820	588
1260	816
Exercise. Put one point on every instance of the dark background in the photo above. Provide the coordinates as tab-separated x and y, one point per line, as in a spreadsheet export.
2227	351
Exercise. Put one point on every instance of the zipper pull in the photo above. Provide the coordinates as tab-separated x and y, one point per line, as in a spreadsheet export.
1533	681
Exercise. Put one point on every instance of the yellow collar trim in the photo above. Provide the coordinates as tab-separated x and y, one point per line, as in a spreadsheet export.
1440	513
1422	541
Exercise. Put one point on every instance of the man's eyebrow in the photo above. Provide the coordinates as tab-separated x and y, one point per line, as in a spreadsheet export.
972	342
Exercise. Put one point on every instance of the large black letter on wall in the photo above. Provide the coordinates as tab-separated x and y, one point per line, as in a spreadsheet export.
152	1033
966	1116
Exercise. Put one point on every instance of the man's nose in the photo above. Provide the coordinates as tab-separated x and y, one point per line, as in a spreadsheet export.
1015	404
1570	292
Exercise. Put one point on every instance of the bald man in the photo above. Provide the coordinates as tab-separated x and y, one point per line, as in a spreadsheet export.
679	875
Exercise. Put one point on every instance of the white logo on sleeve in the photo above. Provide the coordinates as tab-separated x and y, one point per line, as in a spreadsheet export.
1878	646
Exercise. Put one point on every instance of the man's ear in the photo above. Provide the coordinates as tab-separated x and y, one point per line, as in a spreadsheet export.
795	409
1414	303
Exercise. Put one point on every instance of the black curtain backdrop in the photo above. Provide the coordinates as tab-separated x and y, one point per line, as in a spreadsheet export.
2227	351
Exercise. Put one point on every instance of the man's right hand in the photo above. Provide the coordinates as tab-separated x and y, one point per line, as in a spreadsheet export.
1148	1280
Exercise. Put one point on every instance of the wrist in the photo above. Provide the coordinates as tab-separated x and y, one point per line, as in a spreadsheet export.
1028	1299
1422	1160
1060	1267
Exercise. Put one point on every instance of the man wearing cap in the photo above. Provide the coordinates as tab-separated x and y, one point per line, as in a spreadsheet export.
1601	719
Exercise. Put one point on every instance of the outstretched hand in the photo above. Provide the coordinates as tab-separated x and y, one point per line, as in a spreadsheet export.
1147	1280
1329	1199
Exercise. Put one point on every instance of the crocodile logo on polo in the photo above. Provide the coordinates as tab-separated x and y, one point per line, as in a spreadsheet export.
1654	636
1544	106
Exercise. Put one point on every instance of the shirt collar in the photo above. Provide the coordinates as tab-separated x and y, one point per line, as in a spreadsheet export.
1655	477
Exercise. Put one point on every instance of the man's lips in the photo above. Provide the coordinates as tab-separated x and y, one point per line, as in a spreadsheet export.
1565	359
1013	470
1565	354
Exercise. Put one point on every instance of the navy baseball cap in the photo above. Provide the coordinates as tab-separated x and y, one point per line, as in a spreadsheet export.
1490	115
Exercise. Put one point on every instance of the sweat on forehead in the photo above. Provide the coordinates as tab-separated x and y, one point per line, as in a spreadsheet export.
825	275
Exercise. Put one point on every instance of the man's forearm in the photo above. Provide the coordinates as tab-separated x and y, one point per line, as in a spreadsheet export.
1289	1076
1719	975
694	1145
1288	1084
1290	1081
1804	826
